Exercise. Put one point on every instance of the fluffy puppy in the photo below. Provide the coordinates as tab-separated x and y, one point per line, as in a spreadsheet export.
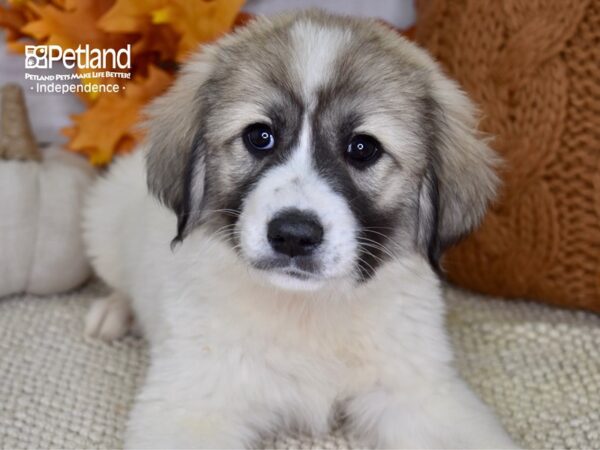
278	240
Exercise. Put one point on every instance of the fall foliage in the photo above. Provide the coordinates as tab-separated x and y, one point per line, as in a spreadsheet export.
161	34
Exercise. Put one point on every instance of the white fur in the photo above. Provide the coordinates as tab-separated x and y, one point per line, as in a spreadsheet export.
233	358
109	318
296	184
315	49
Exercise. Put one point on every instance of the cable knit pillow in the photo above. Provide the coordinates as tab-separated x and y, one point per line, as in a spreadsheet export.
533	66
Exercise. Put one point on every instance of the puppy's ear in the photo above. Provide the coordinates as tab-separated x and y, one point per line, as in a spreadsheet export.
175	160
460	181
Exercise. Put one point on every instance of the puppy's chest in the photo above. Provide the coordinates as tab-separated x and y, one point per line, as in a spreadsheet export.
330	343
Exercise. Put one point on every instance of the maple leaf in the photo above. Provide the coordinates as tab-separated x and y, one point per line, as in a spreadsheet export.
159	40
109	125
73	25
194	21
161	32
135	17
198	21
12	18
127	16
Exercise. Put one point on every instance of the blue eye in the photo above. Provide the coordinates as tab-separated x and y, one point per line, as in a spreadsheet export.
362	151
258	139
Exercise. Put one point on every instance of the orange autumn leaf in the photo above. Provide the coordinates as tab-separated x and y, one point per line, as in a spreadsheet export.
127	16
72	26
159	40
200	21
195	21
11	20
161	33
241	19
109	125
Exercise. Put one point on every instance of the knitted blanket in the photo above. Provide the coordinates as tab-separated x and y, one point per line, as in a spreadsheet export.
533	67
538	367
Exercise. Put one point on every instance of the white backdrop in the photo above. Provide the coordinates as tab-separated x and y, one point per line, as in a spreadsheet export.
397	12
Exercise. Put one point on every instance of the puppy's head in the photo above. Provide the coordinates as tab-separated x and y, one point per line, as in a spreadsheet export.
319	147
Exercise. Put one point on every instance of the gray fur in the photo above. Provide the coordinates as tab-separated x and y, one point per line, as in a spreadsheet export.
431	187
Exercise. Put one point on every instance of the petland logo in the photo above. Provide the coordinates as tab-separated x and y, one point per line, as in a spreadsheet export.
96	70
43	57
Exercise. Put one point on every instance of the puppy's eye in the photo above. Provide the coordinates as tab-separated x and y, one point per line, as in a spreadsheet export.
362	151
258	139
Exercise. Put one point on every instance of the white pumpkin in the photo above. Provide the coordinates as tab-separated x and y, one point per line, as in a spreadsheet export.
41	197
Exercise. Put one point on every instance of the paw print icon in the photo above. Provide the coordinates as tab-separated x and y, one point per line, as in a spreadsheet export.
36	57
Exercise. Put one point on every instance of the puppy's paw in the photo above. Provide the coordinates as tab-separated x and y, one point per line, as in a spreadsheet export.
109	318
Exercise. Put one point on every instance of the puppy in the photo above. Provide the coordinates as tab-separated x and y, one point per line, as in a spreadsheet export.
278	239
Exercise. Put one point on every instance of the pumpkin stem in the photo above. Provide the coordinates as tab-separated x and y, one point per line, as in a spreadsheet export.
16	137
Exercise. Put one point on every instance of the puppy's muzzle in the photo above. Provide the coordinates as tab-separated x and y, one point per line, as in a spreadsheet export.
295	233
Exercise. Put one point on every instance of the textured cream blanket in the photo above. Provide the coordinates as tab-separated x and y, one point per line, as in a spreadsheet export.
538	367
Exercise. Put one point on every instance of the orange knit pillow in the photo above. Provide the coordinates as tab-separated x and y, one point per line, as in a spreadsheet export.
533	66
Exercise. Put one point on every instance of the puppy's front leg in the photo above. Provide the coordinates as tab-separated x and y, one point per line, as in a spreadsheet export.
427	412
199	396
197	406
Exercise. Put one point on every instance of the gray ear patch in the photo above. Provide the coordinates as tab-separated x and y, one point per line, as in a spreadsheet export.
460	180
194	178
175	159
166	168
176	177
428	218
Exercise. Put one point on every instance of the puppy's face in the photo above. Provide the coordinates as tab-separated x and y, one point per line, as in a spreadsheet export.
319	148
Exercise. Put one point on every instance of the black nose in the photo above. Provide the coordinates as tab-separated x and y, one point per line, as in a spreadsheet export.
295	233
